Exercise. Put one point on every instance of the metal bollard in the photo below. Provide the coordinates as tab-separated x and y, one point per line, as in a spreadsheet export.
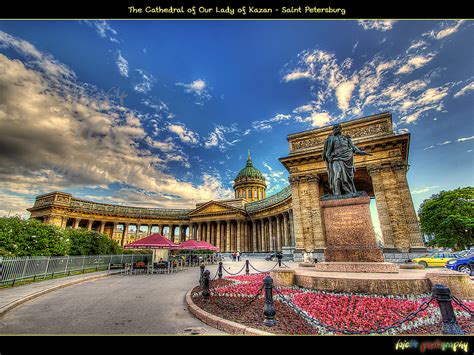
205	285
269	307
247	269
442	294
219	272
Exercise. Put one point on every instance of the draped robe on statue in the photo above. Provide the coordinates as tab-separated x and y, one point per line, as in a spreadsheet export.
339	156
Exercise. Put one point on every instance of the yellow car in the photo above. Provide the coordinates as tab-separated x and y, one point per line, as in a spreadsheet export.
435	259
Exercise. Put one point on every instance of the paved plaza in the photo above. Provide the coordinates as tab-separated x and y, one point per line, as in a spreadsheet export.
132	304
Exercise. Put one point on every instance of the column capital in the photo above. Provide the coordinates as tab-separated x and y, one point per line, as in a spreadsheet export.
399	165
313	177
374	168
294	180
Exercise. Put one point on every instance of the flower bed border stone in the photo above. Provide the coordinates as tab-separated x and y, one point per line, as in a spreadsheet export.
225	325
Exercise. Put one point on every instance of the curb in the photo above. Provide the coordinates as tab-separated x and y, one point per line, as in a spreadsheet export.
220	323
17	303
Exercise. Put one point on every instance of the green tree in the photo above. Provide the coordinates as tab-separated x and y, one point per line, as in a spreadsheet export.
84	242
19	237
449	218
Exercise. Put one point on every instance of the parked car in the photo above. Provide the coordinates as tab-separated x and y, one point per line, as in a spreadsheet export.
462	264
436	259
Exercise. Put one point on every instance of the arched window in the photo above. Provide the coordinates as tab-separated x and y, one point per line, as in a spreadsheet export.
250	193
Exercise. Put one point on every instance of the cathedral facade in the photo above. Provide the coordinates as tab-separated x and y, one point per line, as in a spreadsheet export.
289	220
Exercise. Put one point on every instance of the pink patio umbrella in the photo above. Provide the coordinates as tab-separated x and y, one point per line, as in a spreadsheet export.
208	246
192	245
154	241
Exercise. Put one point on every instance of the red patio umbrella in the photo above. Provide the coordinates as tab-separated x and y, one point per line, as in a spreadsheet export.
154	241
192	245
208	246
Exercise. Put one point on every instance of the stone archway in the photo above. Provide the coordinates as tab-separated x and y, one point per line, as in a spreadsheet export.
382	175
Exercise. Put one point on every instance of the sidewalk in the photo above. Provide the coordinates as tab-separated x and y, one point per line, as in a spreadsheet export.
14	296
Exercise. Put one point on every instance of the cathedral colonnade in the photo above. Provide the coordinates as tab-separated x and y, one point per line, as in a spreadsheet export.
250	235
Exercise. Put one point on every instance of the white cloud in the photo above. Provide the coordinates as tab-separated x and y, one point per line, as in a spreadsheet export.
414	63
59	134
379	25
296	75
103	29
465	90
423	189
319	119
122	64
199	89
268	124
144	83
344	93
446	31
186	135
40	61
465	139
217	138
417	44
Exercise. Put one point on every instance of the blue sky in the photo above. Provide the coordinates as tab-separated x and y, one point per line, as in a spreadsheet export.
161	113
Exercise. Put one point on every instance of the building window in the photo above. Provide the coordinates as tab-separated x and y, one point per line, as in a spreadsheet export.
250	194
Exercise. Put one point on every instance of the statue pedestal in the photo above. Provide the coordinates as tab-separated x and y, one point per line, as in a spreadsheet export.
349	233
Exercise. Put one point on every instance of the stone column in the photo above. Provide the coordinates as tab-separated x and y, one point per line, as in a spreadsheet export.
395	210
218	237
286	241
227	237
102	227
208	232
297	219
238	237
254	237
125	233
414	234
319	239
89	224
262	236
76	223
375	172
270	234
292	229
278	233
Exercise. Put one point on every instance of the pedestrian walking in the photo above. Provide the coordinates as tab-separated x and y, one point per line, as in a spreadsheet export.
238	256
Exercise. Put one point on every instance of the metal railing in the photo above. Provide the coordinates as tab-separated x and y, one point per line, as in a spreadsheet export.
14	269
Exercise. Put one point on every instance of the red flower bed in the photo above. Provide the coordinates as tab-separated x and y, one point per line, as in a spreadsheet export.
231	298
357	312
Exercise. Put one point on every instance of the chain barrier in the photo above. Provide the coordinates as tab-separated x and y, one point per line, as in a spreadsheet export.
462	305
263	272
237	273
410	316
216	297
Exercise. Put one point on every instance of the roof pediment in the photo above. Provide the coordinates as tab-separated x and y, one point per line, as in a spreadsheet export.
214	207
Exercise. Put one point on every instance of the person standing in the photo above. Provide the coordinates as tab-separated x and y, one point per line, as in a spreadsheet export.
238	256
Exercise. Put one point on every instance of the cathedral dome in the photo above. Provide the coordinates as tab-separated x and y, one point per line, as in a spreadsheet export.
250	172
250	182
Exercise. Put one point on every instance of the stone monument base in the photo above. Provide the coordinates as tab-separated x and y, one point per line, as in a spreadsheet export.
405	282
283	277
349	233
356	267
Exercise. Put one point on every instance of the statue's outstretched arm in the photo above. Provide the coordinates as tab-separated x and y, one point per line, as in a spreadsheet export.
357	150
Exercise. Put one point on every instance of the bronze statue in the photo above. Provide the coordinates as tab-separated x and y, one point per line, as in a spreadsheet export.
339	156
